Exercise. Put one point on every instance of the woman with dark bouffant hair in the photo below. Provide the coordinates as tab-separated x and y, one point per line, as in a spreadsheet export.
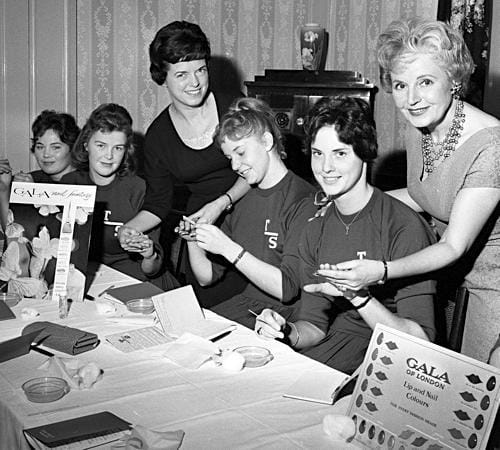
179	146
54	134
104	156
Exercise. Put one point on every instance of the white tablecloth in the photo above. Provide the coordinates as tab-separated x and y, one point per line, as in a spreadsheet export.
216	409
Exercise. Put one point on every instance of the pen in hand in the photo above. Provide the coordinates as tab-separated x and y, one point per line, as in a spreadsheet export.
257	318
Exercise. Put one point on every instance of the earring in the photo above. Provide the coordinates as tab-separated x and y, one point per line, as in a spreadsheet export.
456	90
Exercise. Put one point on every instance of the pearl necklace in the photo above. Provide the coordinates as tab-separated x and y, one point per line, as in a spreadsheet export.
434	151
346	225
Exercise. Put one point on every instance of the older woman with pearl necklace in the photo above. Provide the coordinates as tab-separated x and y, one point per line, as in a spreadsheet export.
453	152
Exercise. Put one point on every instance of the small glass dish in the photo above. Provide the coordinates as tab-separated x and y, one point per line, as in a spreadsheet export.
141	305
255	356
45	389
10	299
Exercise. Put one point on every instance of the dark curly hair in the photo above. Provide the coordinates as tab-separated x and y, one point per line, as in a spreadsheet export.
248	116
178	41
353	122
106	118
62	123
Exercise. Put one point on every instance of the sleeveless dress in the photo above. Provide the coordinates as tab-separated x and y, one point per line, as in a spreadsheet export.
475	164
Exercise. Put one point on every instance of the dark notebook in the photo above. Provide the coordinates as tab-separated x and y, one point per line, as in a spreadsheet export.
134	291
79	429
72	341
5	311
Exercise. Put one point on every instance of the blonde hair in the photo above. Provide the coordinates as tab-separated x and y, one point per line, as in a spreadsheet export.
404	38
249	116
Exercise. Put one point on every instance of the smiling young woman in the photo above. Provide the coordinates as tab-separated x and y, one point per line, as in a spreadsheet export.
179	146
453	152
260	236
104	156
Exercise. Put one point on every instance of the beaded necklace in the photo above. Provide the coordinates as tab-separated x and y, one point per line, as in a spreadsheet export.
433	151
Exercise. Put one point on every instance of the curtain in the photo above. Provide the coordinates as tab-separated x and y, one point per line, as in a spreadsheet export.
247	37
473	19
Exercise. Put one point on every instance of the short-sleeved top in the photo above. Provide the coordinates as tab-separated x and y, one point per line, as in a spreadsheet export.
476	163
115	204
268	224
385	229
206	173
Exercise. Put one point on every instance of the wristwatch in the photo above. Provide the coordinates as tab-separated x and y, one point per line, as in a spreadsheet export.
230	206
349	294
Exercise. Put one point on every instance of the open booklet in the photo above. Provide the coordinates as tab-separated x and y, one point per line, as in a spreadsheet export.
322	386
179	312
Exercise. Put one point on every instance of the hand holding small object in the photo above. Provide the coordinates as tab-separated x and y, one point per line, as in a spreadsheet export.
24	177
127	237
270	325
210	238
5	166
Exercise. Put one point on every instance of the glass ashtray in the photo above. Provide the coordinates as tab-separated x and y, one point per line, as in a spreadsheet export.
141	305
255	356
45	389
10	299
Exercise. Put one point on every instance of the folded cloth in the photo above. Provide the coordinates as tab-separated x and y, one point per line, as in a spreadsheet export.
142	437
64	339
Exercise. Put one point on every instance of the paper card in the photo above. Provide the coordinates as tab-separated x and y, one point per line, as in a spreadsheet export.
179	312
317	386
49	229
414	394
138	339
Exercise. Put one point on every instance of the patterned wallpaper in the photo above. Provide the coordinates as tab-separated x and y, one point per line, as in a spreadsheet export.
247	36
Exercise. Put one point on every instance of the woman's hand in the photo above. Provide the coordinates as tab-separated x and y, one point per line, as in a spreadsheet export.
211	211
187	229
131	239
356	274
142	244
270	325
212	239
326	288
5	175
24	177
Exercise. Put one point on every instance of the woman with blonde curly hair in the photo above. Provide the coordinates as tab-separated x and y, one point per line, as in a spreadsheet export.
453	151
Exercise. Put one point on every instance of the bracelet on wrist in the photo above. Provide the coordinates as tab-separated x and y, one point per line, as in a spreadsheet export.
153	256
294	327
363	303
384	277
240	255
230	206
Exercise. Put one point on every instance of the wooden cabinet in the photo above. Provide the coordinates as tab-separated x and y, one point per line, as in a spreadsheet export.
291	93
